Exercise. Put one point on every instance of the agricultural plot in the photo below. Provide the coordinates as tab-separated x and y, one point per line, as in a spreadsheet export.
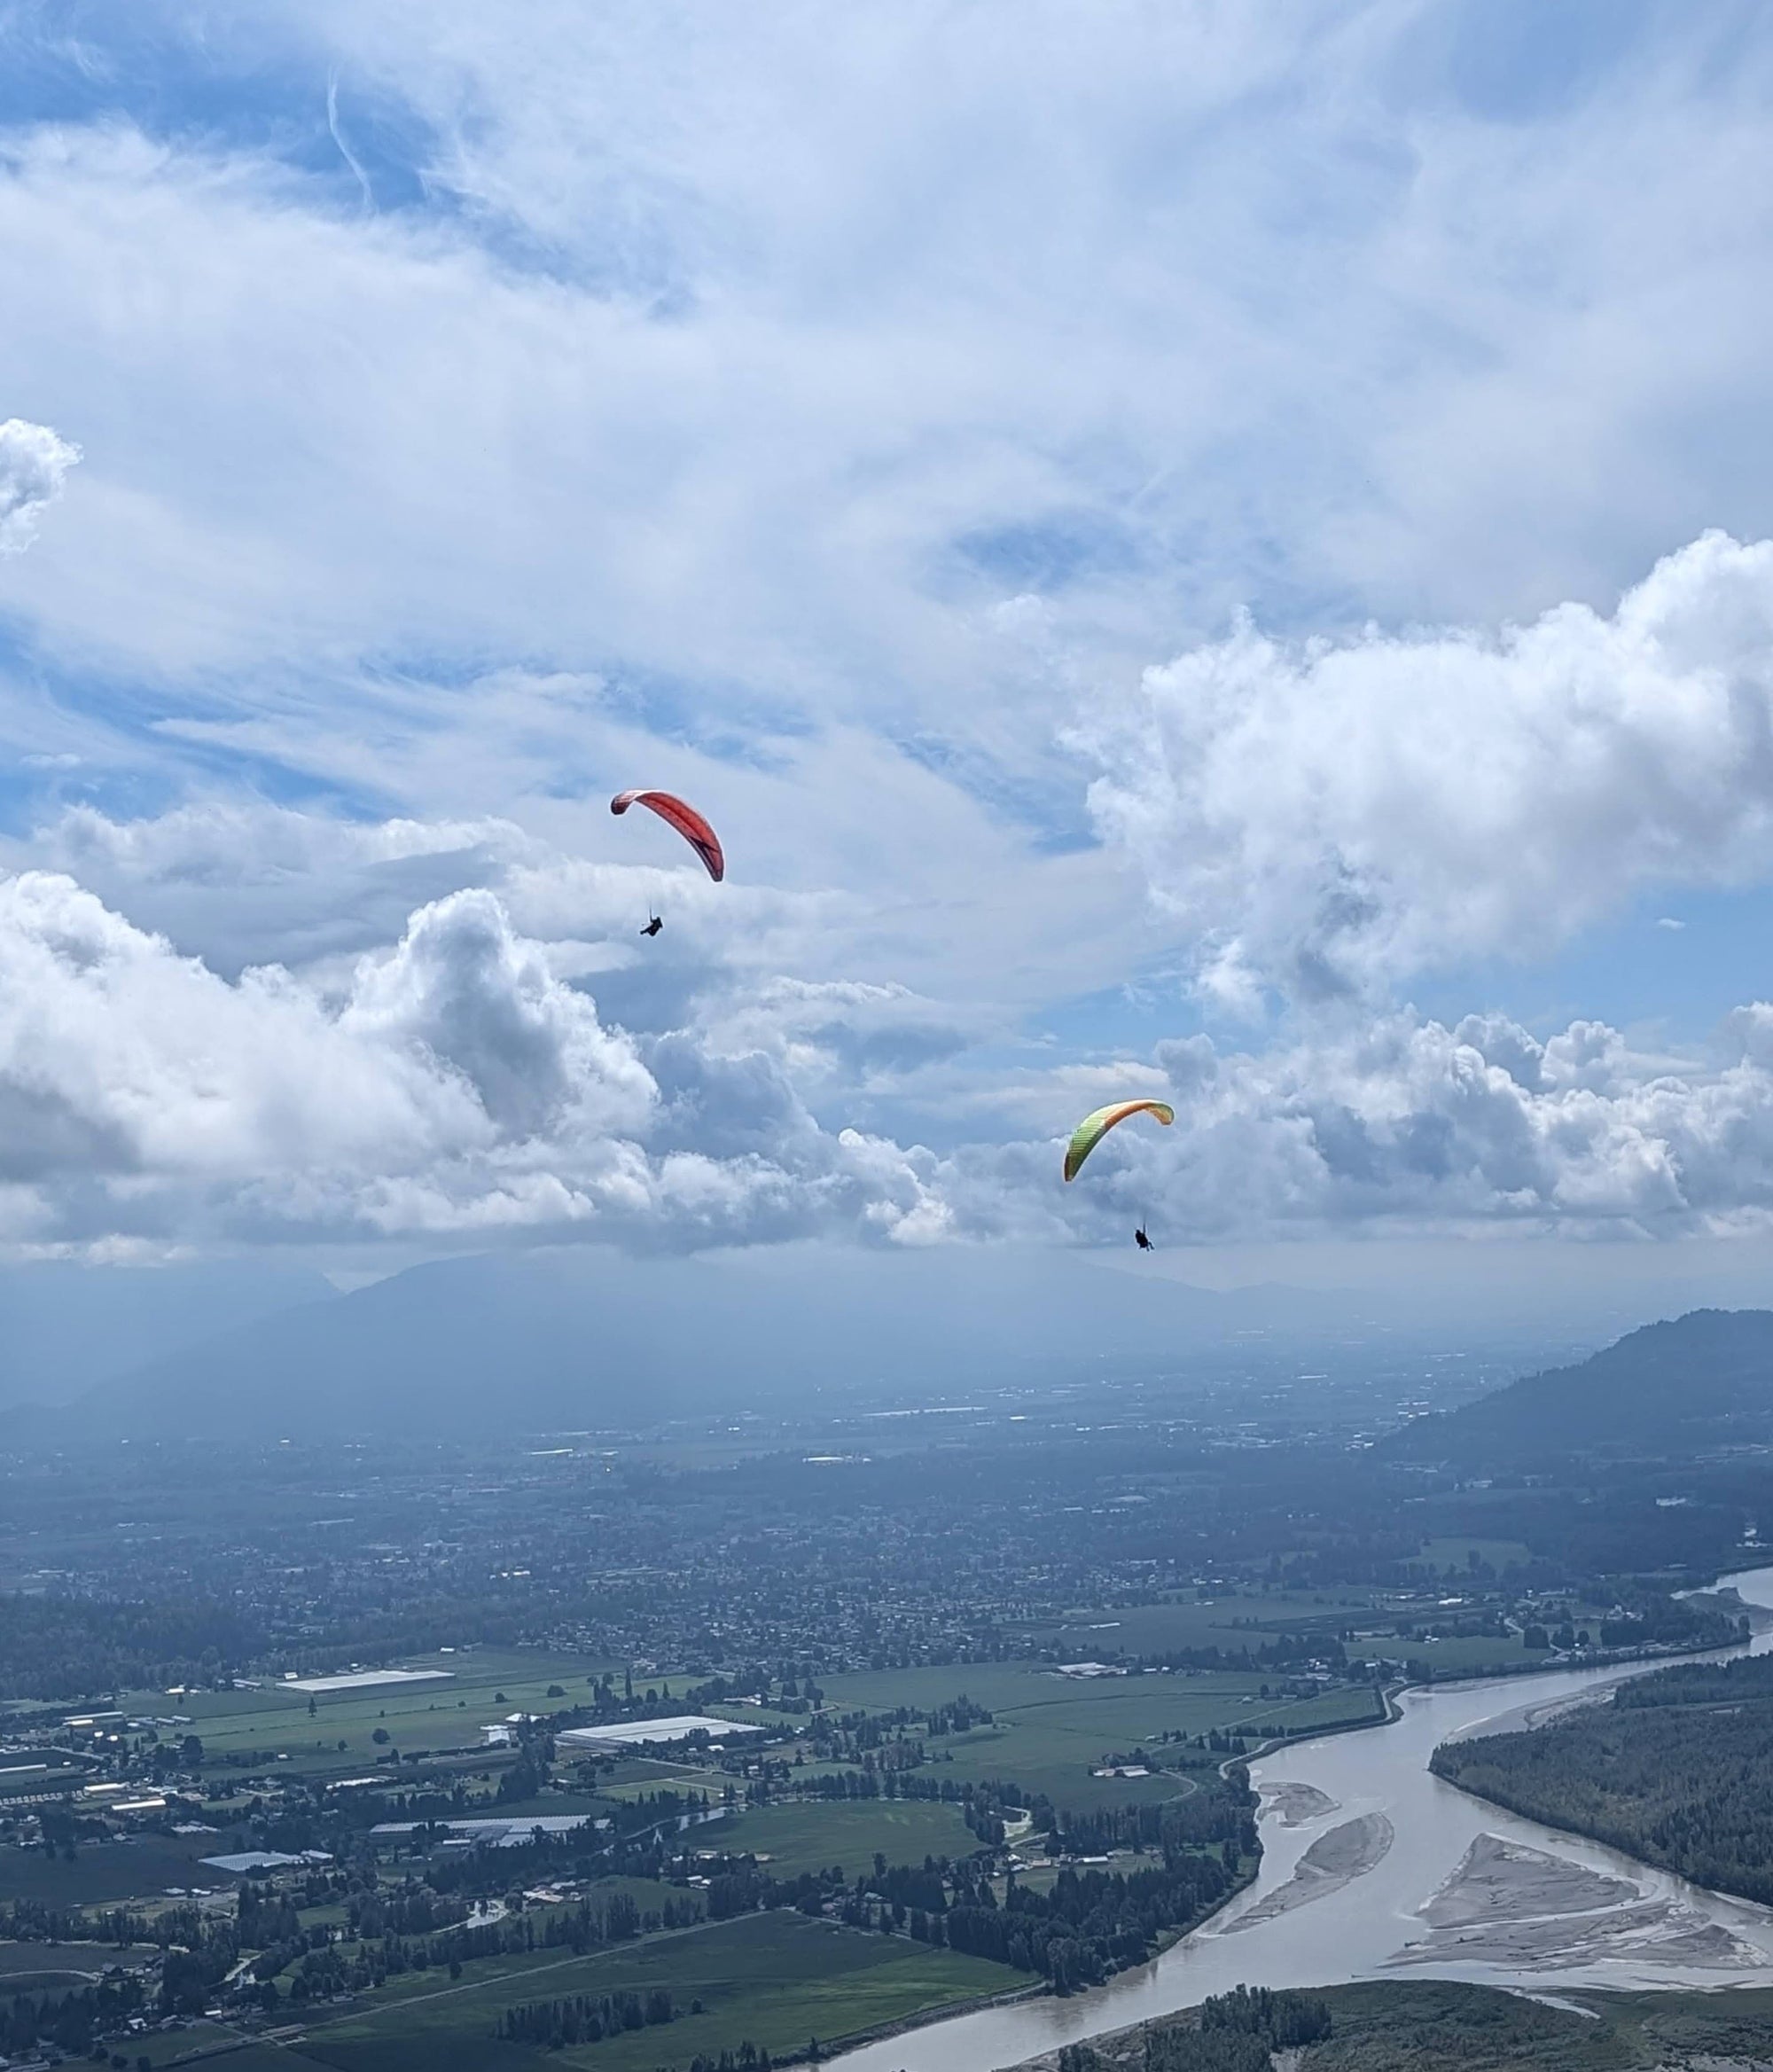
1229	1623
1254	1620
104	1873
1459	1656
64	1966
813	1836
205	2041
777	1979
1049	1732
273	1723
1440	1556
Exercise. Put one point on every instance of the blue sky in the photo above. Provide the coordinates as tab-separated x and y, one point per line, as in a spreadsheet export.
1212	552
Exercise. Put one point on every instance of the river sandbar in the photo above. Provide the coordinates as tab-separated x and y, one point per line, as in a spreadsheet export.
1297	1804
1333	1861
1508	1904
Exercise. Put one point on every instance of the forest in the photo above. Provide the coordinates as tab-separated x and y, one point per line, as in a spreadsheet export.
1238	2032
1675	1768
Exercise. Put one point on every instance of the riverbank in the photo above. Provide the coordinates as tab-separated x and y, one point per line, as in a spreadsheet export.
1442	2025
1359	1930
1669	1769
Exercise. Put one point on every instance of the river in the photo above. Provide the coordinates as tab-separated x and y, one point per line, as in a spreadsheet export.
1373	1868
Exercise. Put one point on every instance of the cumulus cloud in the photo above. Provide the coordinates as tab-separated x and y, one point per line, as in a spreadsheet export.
1331	816
456	1086
456	1089
34	464
1409	1124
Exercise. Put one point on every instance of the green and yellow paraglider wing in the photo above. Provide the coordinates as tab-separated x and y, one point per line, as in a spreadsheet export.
1090	1132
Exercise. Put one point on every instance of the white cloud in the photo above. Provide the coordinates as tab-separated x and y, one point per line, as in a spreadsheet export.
34	464
456	1087
456	1090
1405	1127
1331	816
811	420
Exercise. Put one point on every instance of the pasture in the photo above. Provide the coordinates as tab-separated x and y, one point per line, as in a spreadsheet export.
63	1966
1049	1731
1231	1622
105	1872
776	1978
813	1835
272	1726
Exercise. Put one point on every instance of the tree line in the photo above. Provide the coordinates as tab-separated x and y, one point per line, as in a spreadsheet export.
1676	1768
1237	2031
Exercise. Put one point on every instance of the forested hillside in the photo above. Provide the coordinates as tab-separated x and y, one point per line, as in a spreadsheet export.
1432	2025
1675	1768
1667	1390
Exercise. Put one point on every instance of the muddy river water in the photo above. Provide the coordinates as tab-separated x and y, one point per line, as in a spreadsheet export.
1372	1868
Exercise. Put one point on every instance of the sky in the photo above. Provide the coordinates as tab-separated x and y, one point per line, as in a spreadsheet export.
1222	552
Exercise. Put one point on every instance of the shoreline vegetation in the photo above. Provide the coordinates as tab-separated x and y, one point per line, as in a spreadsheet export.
1391	1694
1433	2025
918	1819
1670	1768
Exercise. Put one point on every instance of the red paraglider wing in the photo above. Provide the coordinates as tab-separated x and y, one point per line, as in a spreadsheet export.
685	819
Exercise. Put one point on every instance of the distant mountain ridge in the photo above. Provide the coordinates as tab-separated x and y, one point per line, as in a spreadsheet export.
1702	1380
66	1328
590	1337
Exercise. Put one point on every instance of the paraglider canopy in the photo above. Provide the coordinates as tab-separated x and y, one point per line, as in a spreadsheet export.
1090	1132
684	817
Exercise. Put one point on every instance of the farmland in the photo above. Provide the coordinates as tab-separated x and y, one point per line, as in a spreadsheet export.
272	1723
1043	1654
776	1979
1049	1732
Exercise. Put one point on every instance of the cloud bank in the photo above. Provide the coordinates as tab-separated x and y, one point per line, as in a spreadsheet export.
454	1087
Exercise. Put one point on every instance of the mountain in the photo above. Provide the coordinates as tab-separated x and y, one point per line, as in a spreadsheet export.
1671	1389
592	1337
66	1328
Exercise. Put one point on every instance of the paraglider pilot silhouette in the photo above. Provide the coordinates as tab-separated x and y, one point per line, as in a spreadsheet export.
676	813
1094	1126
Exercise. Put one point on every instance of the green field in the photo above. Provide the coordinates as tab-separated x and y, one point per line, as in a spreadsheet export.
273	1722
776	1978
214	2043
813	1835
1480	1655
1442	1554
1229	1622
59	1967
1049	1731
105	1871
